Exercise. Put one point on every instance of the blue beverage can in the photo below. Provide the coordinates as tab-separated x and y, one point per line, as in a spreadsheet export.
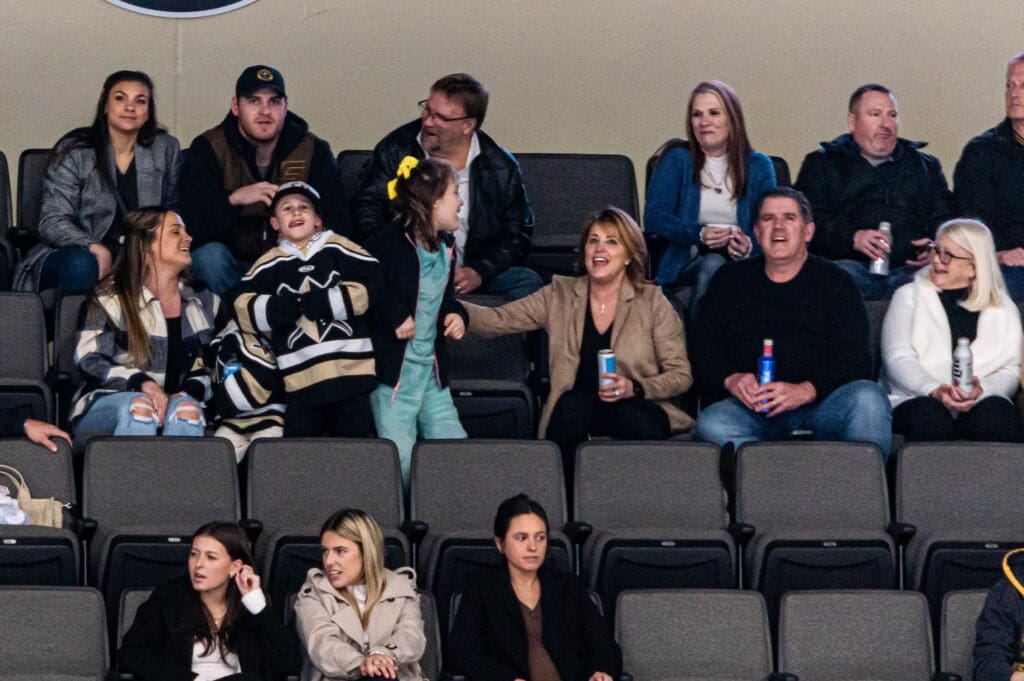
766	367
605	365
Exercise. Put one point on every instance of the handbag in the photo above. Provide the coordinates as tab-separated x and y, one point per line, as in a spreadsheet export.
45	512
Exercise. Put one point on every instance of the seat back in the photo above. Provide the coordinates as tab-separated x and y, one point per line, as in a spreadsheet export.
855	635
430	663
65	333
693	634
782	176
6	216
131	599
24	344
876	317
960	611
52	633
352	165
31	171
47	474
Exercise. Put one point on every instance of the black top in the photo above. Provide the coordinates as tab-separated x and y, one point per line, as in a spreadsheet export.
989	184
128	199
817	320
158	647
489	642
962	323
12	420
175	356
592	343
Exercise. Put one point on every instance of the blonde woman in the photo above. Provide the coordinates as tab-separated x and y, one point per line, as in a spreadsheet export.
357	619
959	295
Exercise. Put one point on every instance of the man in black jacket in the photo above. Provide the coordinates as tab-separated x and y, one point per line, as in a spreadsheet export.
232	171
495	221
869	176
989	181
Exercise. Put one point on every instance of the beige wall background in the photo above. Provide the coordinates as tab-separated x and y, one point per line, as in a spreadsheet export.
603	76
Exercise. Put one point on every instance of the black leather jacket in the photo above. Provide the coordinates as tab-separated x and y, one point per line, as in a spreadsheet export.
500	219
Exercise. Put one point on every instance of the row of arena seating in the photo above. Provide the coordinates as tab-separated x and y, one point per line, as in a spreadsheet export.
807	515
670	634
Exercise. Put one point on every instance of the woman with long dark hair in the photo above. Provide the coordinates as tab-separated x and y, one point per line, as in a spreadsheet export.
213	623
143	335
96	174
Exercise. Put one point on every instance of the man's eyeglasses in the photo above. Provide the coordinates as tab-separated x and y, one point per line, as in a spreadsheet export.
945	257
427	112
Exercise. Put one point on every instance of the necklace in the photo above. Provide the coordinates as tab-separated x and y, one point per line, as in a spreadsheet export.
717	184
219	617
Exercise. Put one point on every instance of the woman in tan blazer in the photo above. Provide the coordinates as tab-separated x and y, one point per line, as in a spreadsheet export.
611	306
356	619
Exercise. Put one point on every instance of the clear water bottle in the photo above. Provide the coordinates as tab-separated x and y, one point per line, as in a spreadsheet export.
766	367
881	265
963	365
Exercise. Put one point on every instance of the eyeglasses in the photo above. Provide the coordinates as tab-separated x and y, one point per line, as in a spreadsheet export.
427	112
945	257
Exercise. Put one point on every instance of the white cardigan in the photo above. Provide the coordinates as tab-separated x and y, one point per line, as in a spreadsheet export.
917	351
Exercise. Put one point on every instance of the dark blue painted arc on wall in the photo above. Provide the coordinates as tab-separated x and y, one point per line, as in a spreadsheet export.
181	8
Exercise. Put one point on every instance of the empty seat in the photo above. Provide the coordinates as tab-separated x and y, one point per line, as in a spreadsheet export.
131	599
490	383
693	635
659	517
52	633
32	554
296	484
855	635
431	662
456	486
31	171
964	498
147	496
6	215
563	189
781	168
23	362
960	611
820	514
64	334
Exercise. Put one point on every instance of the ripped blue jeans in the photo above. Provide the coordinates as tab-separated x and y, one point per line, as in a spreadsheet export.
115	414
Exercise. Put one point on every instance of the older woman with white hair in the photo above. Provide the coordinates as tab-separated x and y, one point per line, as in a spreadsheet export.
961	294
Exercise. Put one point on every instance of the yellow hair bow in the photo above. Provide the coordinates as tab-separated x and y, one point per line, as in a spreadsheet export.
404	169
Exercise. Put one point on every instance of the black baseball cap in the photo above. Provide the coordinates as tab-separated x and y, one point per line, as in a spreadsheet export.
296	188
257	77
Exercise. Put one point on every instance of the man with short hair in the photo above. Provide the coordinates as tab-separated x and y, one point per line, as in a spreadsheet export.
495	220
811	310
989	181
233	170
870	176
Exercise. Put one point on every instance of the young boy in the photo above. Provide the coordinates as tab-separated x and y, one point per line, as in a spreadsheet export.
998	645
309	296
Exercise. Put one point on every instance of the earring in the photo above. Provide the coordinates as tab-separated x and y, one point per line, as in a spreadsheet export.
232	575
627	262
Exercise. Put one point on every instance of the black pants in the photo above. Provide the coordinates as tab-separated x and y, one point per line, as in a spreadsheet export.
347	418
992	419
578	413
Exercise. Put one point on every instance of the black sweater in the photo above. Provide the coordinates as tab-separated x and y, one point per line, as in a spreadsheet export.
158	647
488	642
989	184
817	320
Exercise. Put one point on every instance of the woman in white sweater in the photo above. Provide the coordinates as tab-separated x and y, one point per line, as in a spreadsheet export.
960	295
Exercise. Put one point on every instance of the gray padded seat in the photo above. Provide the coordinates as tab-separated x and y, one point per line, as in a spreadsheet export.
295	484
965	500
37	641
960	611
31	172
694	635
855	636
456	487
24	362
33	554
147	496
430	663
820	512
659	517
65	331
131	599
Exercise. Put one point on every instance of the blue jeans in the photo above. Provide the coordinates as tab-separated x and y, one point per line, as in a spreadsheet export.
71	270
856	412
214	265
1014	278
112	415
876	286
514	283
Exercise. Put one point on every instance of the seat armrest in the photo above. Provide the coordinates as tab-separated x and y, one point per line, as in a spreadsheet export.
578	531
901	533
742	533
252	528
415	530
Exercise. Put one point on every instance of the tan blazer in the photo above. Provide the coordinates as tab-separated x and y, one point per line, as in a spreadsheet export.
332	634
647	338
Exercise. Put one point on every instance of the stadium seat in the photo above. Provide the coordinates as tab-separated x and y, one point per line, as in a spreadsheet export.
131	599
855	635
820	516
295	484
352	163
64	336
658	515
456	486
693	634
782	176
964	498
33	554
960	611
431	662
6	220
31	171
147	496
23	362
563	189
52	633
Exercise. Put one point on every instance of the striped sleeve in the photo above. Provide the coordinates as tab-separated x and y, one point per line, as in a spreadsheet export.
251	313
96	352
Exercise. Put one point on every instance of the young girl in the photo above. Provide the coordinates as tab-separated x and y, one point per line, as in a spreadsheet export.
418	310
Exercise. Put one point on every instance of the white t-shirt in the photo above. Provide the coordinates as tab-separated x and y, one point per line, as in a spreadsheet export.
213	666
716	207
358	592
464	193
